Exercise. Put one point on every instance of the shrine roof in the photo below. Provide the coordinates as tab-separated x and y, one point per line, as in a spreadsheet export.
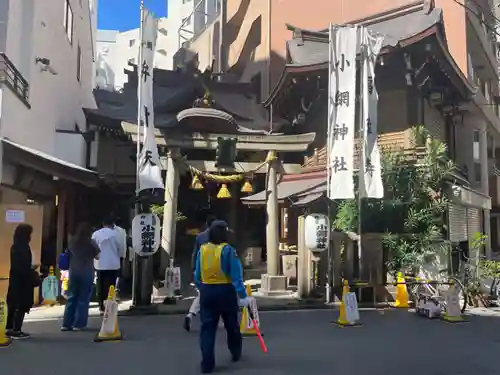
401	27
311	47
175	93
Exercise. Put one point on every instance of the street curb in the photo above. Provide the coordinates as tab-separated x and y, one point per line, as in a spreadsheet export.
313	305
182	310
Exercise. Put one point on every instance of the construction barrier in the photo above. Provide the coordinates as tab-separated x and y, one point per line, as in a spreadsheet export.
349	313
110	330
5	341
247	327
453	313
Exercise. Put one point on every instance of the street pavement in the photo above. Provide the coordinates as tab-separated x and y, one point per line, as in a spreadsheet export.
299	342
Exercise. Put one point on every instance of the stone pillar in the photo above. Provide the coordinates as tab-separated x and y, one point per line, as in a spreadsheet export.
272	227
170	209
485	186
336	244
303	275
272	283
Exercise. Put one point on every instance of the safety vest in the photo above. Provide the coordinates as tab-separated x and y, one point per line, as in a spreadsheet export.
210	264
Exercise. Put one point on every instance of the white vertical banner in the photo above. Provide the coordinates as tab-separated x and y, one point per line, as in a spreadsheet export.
149	165
341	111
371	185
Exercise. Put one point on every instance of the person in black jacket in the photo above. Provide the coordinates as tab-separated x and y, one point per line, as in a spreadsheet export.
22	280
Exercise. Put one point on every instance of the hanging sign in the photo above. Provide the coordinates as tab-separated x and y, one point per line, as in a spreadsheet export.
145	234
255	311
343	47
50	290
317	232
370	166
176	276
351	308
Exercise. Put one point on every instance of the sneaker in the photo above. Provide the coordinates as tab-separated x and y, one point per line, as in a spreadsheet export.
66	329
187	323
79	329
19	335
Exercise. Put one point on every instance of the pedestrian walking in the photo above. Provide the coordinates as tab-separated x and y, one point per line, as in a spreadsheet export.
23	278
122	240
201	239
219	278
83	250
108	264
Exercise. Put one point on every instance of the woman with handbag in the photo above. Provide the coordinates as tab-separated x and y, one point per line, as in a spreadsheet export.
23	278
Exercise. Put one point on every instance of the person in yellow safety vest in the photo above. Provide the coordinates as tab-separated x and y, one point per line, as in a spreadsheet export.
219	277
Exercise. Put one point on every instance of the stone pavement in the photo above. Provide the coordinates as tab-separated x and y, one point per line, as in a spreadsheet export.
181	307
299	342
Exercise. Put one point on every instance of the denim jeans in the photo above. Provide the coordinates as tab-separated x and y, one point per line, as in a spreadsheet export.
76	313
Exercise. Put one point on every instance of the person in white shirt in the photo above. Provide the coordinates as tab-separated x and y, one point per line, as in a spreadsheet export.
109	262
122	240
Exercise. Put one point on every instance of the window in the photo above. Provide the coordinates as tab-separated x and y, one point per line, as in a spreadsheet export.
131	42
68	20
476	155
78	63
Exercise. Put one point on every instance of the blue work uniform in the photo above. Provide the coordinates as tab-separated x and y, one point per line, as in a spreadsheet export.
219	277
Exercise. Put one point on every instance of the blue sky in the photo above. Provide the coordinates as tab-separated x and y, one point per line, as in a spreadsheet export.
115	15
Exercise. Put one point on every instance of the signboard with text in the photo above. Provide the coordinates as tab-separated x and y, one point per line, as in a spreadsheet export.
145	234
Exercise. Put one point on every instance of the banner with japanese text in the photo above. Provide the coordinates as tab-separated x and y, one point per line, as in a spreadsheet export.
149	165
371	185
341	111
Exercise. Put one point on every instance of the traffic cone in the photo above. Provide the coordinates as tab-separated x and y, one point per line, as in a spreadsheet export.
5	341
401	293
246	325
110	331
453	314
342	320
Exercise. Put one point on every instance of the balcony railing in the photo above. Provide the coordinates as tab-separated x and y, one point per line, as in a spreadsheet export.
396	141
12	78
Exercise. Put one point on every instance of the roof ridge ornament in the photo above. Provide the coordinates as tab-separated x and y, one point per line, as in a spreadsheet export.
429	6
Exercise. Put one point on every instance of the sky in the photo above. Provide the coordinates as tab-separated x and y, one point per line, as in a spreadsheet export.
115	15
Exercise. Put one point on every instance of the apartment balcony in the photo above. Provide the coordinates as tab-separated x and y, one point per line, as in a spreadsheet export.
482	33
494	181
13	79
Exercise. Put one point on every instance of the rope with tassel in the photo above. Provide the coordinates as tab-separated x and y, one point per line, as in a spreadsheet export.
224	191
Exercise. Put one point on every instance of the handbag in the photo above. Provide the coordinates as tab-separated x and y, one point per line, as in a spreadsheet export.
36	278
64	260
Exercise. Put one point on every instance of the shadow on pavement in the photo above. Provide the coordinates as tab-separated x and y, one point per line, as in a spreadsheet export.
299	343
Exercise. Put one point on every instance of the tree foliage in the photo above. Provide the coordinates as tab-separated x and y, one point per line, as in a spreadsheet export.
411	213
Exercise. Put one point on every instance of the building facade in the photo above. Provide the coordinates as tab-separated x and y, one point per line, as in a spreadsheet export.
116	51
46	77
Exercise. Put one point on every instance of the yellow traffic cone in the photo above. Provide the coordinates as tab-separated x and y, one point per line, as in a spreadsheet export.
247	327
5	341
401	293
453	314
342	320
110	331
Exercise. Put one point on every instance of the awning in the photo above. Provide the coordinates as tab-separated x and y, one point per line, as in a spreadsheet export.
18	154
288	189
307	199
468	197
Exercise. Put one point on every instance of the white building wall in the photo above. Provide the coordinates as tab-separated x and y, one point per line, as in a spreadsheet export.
115	50
36	30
